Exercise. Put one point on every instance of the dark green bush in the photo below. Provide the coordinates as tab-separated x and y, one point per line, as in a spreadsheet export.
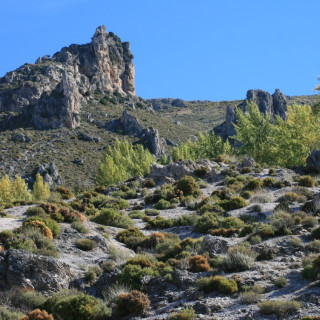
217	283
36	211
201	172
188	186
279	308
184	314
134	302
148	183
86	244
124	235
233	203
280	282
306	181
162	205
159	223
65	193
254	184
112	217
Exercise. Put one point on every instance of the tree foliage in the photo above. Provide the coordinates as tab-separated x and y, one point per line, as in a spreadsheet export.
41	191
11	191
122	161
278	142
207	146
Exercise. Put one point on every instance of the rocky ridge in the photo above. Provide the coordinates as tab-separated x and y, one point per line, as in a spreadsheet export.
52	91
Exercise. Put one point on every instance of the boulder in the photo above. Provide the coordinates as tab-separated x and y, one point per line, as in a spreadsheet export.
21	138
19	268
50	174
217	245
313	161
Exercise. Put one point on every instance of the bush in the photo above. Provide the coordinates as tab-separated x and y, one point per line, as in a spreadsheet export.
137	214
316	233
149	183
232	222
159	223
38	315
309	221
134	302
206	222
251	295
162	205
50	208
233	203
201	172
6	235
272	172
48	222
245	170
239	258
111	217
314	246
188	186
77	225
279	308
35	211
6	314
217	283
154	239
80	307
247	194
27	299
268	182
86	244
254	184
65	193
306	181
40	226
128	236
282	222
185	314
280	282
199	263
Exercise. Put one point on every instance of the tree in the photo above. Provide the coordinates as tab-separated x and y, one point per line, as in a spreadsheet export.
6	196
19	190
41	191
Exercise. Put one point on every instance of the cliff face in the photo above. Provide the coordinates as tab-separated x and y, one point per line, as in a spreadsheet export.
53	90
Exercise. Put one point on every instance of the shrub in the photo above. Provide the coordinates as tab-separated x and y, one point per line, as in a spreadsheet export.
272	172
148	183
152	212
295	242
239	258
159	223
314	246
125	235
27	299
50	208
65	193
77	225
251	295
184	314
233	203
5	314
306	181
199	263
111	217
80	307
6	235
50	223
268	182
247	194
309	221
279	308
245	170
86	244
217	283
137	214
316	233
39	225
255	239
134	302
37	314
162	205
282	222
224	232
254	184
188	186
232	222
154	239
280	282
206	222
36	211
201	172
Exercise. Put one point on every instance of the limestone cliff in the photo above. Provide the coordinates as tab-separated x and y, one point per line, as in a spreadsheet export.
52	91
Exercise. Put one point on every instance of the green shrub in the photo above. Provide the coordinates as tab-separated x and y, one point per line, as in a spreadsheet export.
77	225
152	212
314	246
233	203
254	184
134	302
6	314
272	172
112	217
279	308
188	186
247	195
148	183
206	222
251	295
28	300
50	223
316	233
217	283
309	221
137	214
81	307
86	244
159	223
268	182
184	314
306	181
201	172
162	205
245	170
239	258
232	222
280	282
282	222
36	211
126	235
6	235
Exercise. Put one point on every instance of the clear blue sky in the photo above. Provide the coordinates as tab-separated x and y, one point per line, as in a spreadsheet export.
190	49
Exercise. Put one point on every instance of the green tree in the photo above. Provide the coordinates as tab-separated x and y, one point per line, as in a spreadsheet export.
122	161
6	196
41	191
19	190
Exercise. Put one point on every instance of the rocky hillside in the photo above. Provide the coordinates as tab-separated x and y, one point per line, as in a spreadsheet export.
242	242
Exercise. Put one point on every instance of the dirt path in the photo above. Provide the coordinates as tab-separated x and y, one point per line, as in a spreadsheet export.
17	215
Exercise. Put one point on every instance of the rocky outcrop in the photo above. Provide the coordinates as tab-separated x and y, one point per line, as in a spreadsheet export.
272	105
19	268
313	161
50	174
52	91
149	137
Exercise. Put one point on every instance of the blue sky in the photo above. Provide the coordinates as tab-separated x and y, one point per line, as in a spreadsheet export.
189	49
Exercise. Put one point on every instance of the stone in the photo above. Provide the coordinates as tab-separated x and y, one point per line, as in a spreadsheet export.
50	174
248	162
313	161
21	138
178	103
19	268
216	245
52	92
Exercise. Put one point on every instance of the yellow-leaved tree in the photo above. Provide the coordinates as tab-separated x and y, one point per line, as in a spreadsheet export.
6	197
19	190
41	191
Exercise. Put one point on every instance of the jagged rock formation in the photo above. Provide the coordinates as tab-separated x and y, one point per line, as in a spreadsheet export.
19	268
50	174
52	91
313	161
150	137
272	105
